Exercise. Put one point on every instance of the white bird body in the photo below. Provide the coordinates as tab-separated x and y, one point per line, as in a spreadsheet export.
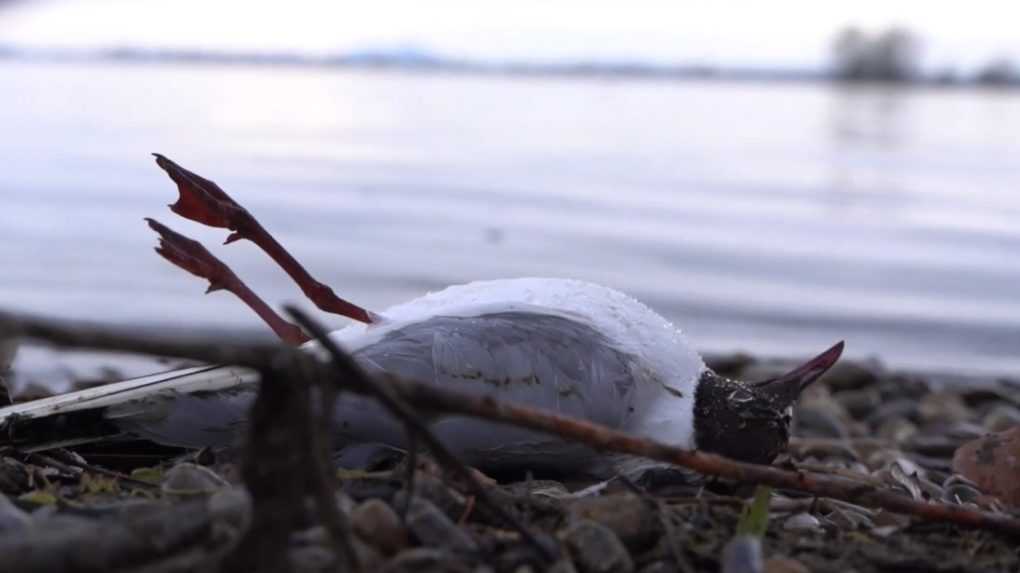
568	346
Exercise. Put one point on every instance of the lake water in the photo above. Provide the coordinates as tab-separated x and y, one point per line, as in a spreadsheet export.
772	218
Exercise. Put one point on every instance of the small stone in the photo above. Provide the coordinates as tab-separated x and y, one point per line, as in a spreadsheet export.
660	567
885	530
12	518
426	560
802	522
933	445
897	430
596	549
319	537
785	565
448	500
192	479
812	422
852	375
993	463
1001	418
900	408
15	478
743	555
434	529
231	507
562	566
311	558
962	493
943	407
377	523
344	503
884	518
626	515
849	520
368	556
538	487
860	403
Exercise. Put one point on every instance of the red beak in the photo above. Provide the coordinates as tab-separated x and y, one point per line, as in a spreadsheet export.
787	388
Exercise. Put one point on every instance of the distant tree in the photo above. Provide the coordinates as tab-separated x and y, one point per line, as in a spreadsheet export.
890	55
999	72
849	52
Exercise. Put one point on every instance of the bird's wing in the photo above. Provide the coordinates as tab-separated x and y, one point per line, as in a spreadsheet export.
540	360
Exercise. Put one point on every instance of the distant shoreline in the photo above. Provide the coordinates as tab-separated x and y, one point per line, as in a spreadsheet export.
424	62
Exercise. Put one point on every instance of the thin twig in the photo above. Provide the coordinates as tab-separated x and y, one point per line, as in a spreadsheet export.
437	399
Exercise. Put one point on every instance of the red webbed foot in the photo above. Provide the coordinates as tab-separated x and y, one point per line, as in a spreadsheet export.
203	201
193	257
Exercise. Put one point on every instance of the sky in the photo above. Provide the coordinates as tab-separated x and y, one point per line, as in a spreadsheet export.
790	33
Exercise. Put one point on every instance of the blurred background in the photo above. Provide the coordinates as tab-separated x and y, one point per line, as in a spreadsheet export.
773	177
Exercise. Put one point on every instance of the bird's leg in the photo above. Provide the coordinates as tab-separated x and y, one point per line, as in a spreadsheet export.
203	201
191	256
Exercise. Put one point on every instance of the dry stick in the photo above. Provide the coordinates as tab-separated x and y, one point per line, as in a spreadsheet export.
600	437
284	461
604	438
68	463
352	375
324	474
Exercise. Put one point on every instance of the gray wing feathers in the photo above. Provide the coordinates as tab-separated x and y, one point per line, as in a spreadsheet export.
534	359
541	360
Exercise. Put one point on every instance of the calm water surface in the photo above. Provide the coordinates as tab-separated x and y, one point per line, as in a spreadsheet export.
769	218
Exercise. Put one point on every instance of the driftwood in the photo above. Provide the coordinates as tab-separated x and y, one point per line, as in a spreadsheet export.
435	399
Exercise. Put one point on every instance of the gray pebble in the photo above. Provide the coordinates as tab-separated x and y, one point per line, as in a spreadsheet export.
596	549
802	522
14	477
377	523
434	529
626	515
943	407
1001	418
426	560
848	375
860	403
899	408
743	554
191	479
12	518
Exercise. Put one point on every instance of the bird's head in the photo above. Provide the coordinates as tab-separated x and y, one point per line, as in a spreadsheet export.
750	421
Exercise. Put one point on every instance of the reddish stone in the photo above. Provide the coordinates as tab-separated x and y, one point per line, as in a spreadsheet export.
993	463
